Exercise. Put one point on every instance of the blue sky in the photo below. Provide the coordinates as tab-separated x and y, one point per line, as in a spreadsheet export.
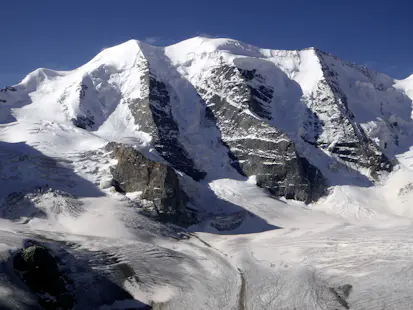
63	35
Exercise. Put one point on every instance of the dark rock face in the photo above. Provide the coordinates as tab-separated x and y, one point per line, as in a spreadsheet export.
84	122
354	146
260	94
296	179
257	147
154	116
158	183
38	268
168	144
341	294
30	204
7	88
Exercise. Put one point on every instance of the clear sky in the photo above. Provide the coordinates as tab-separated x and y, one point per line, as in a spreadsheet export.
63	35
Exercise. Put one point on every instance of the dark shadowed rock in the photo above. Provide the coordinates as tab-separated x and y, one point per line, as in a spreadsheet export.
38	268
7	88
83	122
158	183
341	294
256	147
153	113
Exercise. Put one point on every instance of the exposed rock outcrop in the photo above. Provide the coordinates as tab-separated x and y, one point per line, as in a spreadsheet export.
259	148
153	113
40	202
293	119
351	143
39	269
157	183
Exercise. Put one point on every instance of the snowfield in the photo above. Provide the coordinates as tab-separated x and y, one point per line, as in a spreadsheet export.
352	249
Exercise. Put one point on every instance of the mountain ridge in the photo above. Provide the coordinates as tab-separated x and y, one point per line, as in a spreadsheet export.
146	92
210	174
203	39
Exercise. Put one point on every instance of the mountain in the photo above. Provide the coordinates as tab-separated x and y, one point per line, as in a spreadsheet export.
210	154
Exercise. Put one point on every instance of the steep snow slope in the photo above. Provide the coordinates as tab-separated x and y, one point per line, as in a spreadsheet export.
328	143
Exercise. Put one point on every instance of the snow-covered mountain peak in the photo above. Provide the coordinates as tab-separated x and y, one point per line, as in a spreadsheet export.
329	102
256	150
201	45
122	56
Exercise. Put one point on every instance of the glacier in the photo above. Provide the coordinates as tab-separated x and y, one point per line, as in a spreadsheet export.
292	170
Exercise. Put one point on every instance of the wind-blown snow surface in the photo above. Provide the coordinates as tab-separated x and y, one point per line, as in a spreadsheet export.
350	250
